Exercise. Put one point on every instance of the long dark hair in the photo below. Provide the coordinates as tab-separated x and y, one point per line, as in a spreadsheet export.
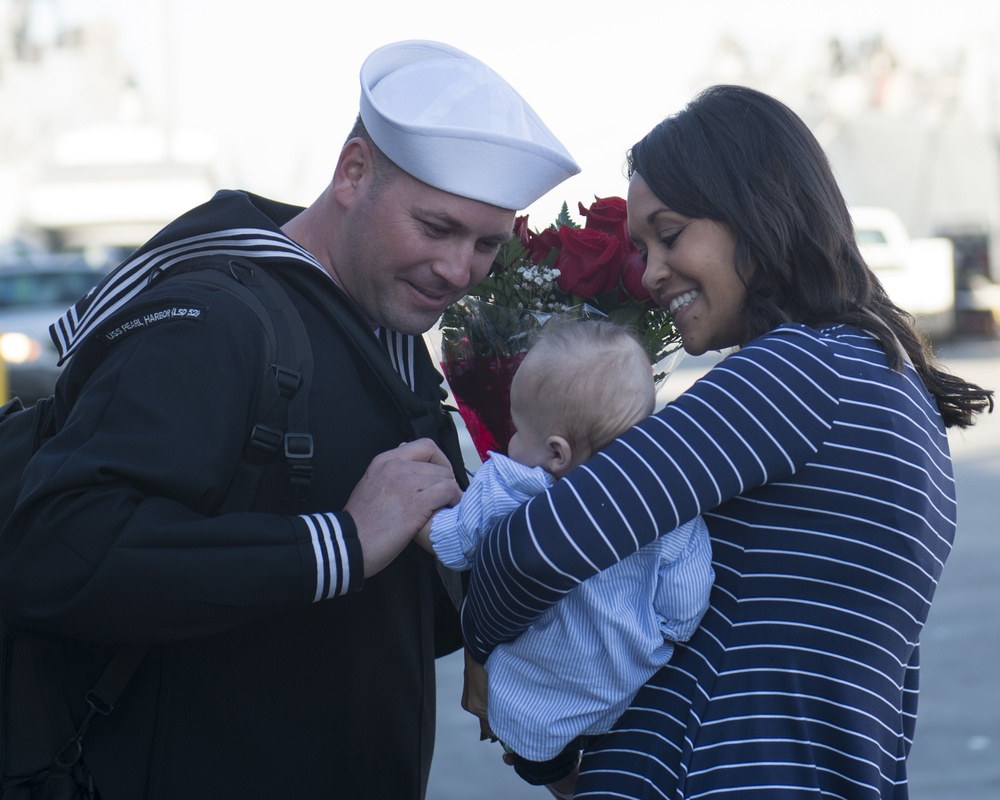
743	158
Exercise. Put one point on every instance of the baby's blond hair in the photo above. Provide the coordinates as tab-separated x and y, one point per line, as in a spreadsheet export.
588	380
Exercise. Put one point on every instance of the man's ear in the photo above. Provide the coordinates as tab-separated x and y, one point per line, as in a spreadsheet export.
354	169
558	455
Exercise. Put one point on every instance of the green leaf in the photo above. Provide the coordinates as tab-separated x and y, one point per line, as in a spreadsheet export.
564	218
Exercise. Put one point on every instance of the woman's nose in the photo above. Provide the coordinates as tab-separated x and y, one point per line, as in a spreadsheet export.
657	272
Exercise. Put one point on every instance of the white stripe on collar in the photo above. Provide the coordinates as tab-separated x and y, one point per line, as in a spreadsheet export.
132	276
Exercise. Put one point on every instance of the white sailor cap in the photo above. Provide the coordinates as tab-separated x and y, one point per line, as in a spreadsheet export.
450	121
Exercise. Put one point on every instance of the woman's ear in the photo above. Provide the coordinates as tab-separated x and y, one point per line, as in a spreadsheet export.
558	455
354	166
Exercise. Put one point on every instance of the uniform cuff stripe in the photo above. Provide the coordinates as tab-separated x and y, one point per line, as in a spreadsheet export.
333	567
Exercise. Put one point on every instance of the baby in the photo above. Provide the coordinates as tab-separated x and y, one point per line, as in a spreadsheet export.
574	672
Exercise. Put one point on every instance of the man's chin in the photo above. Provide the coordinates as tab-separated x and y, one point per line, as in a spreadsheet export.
414	323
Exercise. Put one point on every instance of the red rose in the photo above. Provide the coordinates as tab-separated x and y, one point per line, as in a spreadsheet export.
521	230
632	272
608	214
589	261
541	244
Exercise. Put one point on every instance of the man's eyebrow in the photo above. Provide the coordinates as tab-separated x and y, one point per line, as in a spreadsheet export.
460	227
502	239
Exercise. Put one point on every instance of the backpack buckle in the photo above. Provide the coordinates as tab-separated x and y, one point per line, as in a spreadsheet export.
265	439
288	380
298	452
298	445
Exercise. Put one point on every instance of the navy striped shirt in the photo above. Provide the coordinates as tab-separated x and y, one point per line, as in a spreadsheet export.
825	479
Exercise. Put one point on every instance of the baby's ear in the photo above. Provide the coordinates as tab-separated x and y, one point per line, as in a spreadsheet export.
559	455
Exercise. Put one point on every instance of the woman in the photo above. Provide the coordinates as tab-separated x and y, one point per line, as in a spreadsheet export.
817	453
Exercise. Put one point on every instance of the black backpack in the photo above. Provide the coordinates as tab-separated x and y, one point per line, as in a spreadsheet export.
55	770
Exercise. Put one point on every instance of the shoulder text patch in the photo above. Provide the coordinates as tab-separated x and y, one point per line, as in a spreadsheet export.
147	317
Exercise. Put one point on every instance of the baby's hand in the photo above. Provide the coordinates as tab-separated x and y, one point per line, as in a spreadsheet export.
423	537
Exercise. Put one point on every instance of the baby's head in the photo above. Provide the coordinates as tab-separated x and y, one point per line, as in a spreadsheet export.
582	383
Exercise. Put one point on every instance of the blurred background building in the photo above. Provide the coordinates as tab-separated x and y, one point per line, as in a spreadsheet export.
98	149
85	162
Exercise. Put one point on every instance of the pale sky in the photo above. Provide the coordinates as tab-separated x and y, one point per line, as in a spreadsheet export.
277	82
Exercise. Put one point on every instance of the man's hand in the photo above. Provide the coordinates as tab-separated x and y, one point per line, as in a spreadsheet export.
400	491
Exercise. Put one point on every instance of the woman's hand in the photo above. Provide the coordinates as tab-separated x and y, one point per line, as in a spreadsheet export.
475	692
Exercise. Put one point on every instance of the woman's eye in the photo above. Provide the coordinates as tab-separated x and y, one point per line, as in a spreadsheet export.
669	240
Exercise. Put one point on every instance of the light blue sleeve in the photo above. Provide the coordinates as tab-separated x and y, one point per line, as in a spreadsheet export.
499	486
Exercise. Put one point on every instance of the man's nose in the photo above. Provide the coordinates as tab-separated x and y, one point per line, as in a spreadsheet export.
456	267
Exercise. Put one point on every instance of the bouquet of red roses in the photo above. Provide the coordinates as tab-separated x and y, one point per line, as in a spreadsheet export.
563	270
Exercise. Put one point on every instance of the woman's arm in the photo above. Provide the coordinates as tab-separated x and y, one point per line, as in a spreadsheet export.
754	419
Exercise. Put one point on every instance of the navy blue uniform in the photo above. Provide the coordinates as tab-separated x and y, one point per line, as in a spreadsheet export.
275	669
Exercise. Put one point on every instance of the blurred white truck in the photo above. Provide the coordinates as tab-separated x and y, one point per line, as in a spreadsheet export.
918	274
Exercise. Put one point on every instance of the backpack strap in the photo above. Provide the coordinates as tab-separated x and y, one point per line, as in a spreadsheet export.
419	415
100	701
281	408
422	417
292	372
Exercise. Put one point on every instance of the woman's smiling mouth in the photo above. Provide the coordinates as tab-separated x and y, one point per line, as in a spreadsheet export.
682	300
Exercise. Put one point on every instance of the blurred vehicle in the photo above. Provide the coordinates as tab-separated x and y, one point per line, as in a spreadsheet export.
35	289
918	274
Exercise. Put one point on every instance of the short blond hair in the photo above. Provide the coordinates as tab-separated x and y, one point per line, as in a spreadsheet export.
588	380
